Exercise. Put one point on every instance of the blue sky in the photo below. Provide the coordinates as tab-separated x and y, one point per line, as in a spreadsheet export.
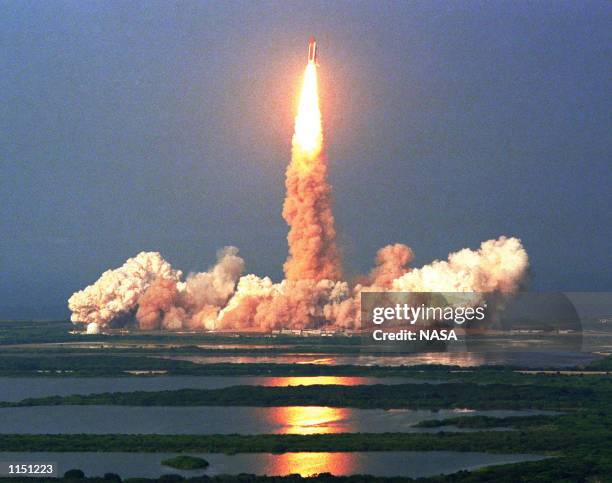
166	126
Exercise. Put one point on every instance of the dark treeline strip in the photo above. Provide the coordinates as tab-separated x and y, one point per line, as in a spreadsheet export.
29	332
488	422
104	364
93	365
429	396
601	364
62	362
492	442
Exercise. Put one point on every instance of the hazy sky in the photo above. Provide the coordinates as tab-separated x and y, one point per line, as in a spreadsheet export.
131	126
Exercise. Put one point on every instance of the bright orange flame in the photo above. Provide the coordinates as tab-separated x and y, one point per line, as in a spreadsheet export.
308	136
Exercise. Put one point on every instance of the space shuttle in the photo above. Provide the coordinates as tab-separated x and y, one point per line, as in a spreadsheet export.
312	51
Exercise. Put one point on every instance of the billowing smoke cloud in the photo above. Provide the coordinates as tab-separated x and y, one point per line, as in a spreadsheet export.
156	303
391	263
260	304
147	290
499	265
219	299
116	293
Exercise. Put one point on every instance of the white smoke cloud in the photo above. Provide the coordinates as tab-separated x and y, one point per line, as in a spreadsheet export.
218	299
148	288
499	265
117	291
217	285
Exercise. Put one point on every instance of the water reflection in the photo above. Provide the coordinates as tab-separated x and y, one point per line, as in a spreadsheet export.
463	359
221	420
314	380
310	420
308	464
319	360
382	463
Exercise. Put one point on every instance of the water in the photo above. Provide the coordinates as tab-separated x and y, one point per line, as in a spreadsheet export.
393	463
556	359
18	388
224	420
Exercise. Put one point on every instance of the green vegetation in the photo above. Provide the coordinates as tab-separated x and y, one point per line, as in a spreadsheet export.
493	442
429	396
34	332
578	432
74	474
488	422
601	364
186	462
51	363
17	364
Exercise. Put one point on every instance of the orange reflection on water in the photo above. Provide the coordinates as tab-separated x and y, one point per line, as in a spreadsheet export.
312	380
310	420
463	359
308	464
321	361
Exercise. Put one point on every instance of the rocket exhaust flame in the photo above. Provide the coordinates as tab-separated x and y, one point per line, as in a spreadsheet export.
308	137
147	292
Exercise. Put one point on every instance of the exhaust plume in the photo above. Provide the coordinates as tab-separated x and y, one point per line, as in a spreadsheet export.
313	254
